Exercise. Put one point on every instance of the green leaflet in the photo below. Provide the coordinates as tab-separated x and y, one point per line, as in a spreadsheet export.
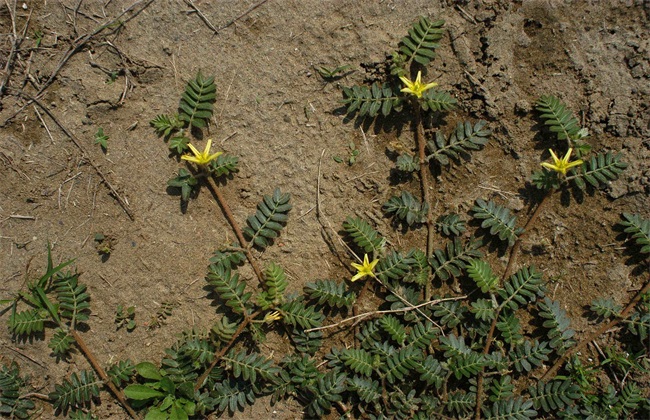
196	104
266	223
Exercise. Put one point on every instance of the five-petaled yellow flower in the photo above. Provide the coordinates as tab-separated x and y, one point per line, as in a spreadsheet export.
416	88
201	158
364	269
272	316
561	165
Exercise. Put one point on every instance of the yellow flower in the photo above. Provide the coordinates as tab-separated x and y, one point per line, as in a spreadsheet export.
272	316
416	88
364	269
561	165
201	158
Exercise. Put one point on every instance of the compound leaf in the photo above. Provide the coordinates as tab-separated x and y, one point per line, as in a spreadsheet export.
436	100
363	235
524	286
450	225
232	395
557	323
407	208
498	219
482	274
12	401
359	360
599	170
164	125
266	223
369	101
296	313
28	321
394	266
422	41
228	287
529	354
555	395
121	372
394	328
330	292
61	343
510	408
276	282
250	366
465	138
74	302
559	119
450	262
76	392
638	229
196	104
401	362
224	165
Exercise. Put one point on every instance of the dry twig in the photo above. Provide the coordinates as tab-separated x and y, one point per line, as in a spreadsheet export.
255	6
122	201
132	11
15	45
387	311
202	16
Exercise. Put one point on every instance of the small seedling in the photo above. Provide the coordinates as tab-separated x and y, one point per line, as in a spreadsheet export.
351	158
334	73
164	312
112	77
38	38
104	244
125	317
101	139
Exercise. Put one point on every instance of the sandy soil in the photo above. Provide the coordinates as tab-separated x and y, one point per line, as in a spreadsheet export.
284	121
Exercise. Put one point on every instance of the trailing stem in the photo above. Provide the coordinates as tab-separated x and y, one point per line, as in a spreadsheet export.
424	185
514	252
217	356
355	307
591	337
212	185
102	374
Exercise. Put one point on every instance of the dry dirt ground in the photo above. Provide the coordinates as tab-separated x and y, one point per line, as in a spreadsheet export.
283	120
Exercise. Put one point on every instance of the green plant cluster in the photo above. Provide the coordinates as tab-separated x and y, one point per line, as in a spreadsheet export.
194	113
419	355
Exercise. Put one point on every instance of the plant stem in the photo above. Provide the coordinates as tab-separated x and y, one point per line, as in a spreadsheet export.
357	317
217	356
235	227
355	308
102	374
424	185
514	252
591	337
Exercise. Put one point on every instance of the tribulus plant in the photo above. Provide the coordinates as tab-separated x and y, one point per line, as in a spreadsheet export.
55	300
423	352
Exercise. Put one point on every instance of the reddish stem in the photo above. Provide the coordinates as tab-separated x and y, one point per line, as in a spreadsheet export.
514	252
219	354
424	185
102	374
591	337
235	227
